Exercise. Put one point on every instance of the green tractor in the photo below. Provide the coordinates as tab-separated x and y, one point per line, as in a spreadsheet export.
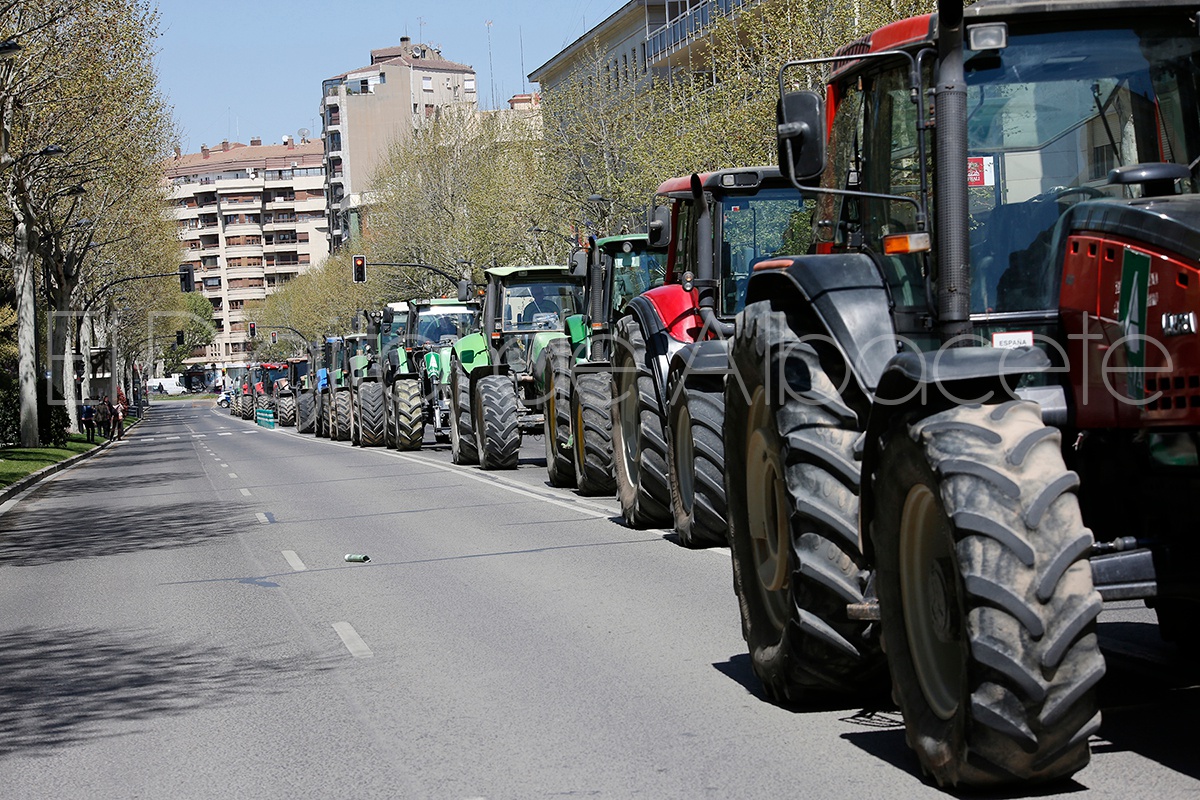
364	384
494	374
577	372
420	392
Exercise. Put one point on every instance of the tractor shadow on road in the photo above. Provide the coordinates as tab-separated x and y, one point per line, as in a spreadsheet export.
64	686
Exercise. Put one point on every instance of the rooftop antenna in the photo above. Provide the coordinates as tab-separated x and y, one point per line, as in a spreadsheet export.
420	30
521	41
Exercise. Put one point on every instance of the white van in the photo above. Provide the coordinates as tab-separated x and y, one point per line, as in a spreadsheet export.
168	385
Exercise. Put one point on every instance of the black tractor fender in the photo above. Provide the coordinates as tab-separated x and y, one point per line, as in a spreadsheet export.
933	381
851	304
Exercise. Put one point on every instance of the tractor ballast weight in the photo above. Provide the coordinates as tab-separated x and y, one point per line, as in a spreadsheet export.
973	536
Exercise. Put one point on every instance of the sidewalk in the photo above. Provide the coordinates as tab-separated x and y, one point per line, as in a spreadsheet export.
22	467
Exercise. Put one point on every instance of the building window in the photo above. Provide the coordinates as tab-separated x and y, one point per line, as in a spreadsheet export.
469	83
427	83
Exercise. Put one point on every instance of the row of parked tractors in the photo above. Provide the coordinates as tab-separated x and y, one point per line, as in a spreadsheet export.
936	429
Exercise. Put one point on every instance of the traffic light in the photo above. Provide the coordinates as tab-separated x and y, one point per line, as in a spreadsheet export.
179	338
274	337
187	278
252	331
360	269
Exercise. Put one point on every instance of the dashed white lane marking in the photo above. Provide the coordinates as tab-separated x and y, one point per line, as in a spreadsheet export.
245	492
224	465
171	438
262	518
227	433
294	560
233	474
145	438
199	435
354	643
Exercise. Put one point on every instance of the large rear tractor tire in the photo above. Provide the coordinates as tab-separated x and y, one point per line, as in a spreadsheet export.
988	608
639	440
792	486
286	408
248	406
592	433
696	459
409	410
462	422
372	414
305	413
497	426
342	416
556	386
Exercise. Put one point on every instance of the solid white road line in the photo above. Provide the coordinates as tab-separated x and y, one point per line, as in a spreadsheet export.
294	560
354	643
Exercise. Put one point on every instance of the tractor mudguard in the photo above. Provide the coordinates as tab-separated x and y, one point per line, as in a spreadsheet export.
472	351
578	331
660	345
537	344
709	357
852	305
934	381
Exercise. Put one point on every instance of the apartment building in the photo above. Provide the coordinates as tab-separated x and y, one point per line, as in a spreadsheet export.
367	110
642	39
251	218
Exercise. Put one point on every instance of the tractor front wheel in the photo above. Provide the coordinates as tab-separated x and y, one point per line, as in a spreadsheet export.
639	439
497	427
696	459
592	433
556	387
287	411
462	427
305	413
792	486
988	608
372	414
409	413
342	416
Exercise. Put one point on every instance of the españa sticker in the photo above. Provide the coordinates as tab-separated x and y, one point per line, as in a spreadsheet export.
1135	289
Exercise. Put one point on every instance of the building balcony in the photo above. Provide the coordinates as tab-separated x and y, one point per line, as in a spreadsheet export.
243	250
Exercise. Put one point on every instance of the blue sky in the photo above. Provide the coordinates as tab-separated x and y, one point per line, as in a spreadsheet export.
241	68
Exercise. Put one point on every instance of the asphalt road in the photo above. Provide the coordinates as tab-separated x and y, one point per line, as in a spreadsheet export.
179	622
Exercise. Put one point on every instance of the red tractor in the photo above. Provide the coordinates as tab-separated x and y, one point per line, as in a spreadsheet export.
670	350
955	430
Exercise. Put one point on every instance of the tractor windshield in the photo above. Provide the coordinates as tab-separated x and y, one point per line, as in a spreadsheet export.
1048	117
635	269
532	307
437	323
754	228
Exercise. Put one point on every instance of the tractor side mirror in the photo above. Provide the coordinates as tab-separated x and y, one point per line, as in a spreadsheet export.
801	135
464	291
389	314
579	263
660	226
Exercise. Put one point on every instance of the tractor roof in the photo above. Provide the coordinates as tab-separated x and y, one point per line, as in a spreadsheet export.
742	180
637	238
539	269
442	301
923	28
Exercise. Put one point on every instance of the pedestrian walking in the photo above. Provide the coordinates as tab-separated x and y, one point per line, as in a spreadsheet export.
104	417
118	421
87	416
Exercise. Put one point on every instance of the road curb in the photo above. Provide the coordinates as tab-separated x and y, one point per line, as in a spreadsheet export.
34	478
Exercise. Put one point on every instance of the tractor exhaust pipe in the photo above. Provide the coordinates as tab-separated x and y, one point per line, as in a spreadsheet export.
953	242
706	279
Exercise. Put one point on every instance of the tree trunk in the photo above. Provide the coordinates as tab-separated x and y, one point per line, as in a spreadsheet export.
84	336
23	275
62	365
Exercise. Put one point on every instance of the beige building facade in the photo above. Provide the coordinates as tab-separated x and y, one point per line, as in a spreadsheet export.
366	111
251	218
